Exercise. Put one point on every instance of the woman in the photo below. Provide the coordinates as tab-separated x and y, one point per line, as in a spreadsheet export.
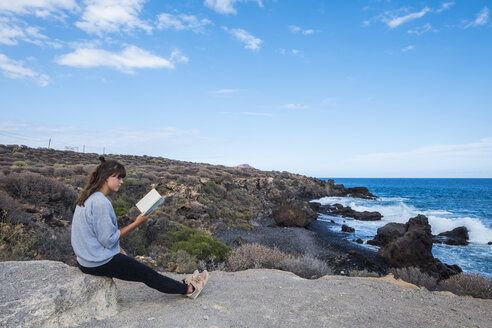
95	237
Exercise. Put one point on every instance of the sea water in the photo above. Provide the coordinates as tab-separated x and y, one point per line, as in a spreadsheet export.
447	203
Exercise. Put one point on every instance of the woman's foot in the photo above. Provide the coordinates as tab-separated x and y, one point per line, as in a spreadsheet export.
198	283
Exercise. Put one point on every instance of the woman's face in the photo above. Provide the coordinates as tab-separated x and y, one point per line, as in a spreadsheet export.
114	182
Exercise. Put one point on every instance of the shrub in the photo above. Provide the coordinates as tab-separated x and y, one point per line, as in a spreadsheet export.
364	274
179	261
306	266
468	284
255	256
414	276
38	190
122	206
16	242
198	244
19	164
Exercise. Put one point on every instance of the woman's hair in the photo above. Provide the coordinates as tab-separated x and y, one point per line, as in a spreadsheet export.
104	170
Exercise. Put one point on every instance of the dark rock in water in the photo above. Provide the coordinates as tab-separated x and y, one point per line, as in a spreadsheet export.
295	213
458	236
414	248
359	241
490	242
347	229
387	233
345	211
332	221
356	192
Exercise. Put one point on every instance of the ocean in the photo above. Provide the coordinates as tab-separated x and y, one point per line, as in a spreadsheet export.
447	203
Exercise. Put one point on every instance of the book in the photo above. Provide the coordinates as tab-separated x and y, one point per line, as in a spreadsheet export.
149	202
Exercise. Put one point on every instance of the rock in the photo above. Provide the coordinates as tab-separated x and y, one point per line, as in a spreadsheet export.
414	248
347	229
387	233
52	294
359	241
345	211
355	192
295	213
490	242
457	236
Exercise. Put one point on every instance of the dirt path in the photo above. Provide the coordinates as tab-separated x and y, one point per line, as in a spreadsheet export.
271	298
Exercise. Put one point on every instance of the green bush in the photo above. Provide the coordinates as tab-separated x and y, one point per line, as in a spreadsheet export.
19	164
198	244
122	206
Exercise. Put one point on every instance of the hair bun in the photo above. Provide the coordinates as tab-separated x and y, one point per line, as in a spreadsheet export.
102	159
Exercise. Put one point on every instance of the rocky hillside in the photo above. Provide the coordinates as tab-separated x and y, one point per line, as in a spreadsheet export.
38	188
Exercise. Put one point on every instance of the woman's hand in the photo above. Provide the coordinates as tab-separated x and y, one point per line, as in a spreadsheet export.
141	218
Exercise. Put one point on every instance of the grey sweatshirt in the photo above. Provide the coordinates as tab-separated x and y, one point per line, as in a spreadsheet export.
95	233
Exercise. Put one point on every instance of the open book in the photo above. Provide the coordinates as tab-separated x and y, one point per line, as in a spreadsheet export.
149	202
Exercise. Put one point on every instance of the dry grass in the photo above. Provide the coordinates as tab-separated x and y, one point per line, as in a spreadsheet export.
255	256
468	284
414	276
306	266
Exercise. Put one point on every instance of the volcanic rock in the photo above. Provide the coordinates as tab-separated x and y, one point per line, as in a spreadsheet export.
346	211
294	213
387	233
414	248
457	236
347	229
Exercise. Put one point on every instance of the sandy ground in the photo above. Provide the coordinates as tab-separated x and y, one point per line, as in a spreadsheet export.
271	298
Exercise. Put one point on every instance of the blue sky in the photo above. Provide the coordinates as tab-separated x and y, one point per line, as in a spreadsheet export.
321	88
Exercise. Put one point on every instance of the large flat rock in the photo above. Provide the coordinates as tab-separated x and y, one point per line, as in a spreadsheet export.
52	294
271	298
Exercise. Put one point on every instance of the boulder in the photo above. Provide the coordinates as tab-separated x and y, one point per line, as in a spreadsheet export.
294	213
388	233
346	211
347	229
52	294
457	236
414	248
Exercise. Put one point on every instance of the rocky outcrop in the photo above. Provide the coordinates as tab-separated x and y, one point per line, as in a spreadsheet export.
346	211
387	233
52	294
355	192
410	244
457	236
294	213
346	228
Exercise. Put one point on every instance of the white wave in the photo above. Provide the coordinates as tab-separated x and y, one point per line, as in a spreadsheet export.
477	231
436	212
393	199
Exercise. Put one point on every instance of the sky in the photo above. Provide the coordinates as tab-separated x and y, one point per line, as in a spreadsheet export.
359	88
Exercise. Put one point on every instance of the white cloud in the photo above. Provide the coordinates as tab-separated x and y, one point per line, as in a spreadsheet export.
397	21
40	8
294	106
410	47
225	91
112	16
11	33
125	61
249	41
421	29
297	29
227	6
181	22
16	70
482	18
445	6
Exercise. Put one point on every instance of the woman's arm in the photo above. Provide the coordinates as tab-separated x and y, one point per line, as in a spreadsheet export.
138	221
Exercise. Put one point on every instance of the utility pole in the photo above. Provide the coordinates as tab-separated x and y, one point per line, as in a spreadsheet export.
49	143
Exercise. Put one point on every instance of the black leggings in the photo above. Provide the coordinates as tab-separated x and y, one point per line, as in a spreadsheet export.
126	268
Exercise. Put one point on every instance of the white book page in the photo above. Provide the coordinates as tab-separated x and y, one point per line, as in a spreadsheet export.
150	199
